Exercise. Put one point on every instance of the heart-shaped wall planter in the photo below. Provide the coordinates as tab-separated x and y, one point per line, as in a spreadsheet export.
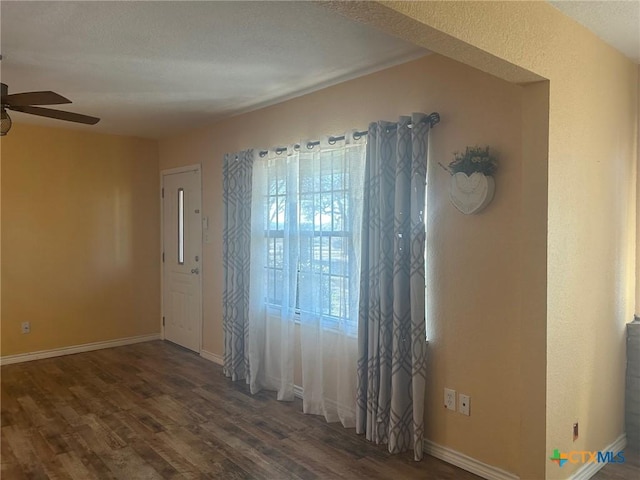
471	193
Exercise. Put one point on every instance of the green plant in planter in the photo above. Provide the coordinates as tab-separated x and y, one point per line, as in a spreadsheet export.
474	159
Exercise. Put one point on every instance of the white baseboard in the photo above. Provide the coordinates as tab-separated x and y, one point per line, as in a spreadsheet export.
86	347
212	357
443	453
588	470
451	456
467	463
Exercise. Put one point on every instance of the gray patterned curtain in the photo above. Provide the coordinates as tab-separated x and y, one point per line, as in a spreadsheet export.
238	168
391	329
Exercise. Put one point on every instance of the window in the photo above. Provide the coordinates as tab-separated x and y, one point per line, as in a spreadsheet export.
426	265
325	235
181	226
275	214
310	218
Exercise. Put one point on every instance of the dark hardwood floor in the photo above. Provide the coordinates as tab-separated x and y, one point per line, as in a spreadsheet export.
156	411
629	470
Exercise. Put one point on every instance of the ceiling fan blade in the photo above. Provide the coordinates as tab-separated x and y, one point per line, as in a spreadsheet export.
34	98
57	114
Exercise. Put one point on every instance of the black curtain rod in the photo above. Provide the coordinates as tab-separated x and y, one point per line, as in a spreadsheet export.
432	119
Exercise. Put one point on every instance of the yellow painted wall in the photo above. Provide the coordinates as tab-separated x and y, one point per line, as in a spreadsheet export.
562	335
80	238
592	154
476	289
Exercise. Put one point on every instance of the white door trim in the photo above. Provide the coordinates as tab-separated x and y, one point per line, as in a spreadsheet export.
187	168
171	171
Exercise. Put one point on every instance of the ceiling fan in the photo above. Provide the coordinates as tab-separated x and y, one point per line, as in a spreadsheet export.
24	102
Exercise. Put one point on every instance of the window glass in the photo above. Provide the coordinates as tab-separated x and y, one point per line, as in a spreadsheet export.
181	226
307	217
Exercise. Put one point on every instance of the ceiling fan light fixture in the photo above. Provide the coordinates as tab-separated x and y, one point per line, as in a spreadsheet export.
5	123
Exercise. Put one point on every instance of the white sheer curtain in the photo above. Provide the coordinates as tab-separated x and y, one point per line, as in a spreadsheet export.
306	227
330	192
274	259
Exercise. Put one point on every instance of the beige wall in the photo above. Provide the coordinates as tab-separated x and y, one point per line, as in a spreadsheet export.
536	318
475	289
591	193
533	270
80	238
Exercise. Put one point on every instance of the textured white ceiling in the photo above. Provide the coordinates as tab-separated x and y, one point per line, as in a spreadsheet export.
615	22
151	68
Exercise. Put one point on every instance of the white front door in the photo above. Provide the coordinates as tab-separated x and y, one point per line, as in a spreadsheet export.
182	257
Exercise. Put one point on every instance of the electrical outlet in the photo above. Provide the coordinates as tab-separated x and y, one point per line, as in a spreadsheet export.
26	327
450	399
464	404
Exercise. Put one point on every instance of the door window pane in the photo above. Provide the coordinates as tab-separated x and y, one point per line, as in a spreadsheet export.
181	226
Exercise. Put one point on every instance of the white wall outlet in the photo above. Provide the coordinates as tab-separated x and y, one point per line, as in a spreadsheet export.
450	399
26	327
464	404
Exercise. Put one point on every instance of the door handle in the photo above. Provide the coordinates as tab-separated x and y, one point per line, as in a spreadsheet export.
195	270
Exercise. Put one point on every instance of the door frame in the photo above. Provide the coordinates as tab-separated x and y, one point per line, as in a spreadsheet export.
171	171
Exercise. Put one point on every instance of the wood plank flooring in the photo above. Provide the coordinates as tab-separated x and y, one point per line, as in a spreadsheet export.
156	411
629	470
